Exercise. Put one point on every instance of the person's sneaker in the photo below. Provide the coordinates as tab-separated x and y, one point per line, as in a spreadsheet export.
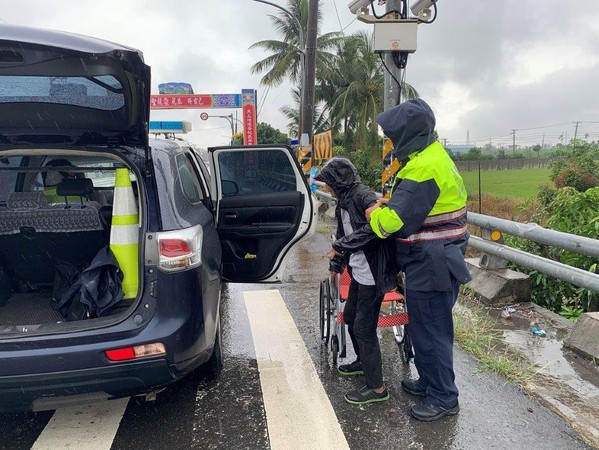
351	369
427	412
366	395
413	387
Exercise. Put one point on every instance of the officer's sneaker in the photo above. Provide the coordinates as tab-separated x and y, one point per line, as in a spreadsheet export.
365	395
414	387
351	369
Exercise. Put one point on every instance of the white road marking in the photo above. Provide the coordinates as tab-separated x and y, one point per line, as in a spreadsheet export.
298	411
89	427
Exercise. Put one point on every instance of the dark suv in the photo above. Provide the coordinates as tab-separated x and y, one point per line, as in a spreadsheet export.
79	106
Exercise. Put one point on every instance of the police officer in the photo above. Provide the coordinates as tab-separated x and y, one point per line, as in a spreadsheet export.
426	215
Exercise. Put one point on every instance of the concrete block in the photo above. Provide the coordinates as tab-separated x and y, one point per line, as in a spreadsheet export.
498	286
584	338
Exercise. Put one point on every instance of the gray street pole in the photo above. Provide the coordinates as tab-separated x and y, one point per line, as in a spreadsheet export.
302	49
391	94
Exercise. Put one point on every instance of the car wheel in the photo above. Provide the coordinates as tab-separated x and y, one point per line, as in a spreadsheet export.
213	367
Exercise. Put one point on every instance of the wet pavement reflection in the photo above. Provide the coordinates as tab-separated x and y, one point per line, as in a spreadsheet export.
495	413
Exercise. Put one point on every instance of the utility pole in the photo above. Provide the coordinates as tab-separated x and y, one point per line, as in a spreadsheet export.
467	137
543	142
514	141
576	129
391	94
307	110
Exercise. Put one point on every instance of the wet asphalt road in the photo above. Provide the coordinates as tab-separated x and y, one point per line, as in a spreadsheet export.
230	413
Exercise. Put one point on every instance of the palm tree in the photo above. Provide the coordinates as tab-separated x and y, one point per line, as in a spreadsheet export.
284	61
319	125
352	91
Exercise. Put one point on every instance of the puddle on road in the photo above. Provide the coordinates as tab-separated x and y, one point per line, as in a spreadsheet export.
549	354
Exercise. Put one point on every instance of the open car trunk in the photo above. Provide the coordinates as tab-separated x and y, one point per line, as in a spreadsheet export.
49	234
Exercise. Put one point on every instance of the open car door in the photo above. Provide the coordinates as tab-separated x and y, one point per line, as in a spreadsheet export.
263	208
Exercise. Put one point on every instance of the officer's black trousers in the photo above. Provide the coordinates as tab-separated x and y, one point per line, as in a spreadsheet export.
431	330
361	314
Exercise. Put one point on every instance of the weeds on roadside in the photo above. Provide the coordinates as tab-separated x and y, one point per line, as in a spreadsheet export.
474	332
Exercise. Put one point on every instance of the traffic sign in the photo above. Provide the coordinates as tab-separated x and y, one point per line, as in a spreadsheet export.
204	116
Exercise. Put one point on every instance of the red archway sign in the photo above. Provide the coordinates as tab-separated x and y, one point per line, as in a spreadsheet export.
246	101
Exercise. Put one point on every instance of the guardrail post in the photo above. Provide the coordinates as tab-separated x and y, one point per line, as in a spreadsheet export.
491	279
488	261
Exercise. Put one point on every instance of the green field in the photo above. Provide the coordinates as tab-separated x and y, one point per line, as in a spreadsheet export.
521	184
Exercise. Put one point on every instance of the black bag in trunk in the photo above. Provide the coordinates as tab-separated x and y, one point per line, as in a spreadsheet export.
94	291
101	284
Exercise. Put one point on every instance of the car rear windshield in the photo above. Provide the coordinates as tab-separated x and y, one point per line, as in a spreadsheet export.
101	92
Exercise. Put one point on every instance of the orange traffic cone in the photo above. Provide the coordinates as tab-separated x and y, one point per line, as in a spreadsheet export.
124	232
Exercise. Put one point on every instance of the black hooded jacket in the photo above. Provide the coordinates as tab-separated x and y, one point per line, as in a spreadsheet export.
354	197
410	126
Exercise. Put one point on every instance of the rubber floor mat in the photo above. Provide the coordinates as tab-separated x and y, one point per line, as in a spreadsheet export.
29	309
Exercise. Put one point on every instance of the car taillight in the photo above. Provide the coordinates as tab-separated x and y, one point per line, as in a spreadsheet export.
138	351
174	248
181	249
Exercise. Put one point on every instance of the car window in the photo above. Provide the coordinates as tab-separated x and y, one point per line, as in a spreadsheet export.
8	178
256	172
101	92
188	179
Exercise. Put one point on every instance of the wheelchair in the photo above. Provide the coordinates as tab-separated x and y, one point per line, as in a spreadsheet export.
334	292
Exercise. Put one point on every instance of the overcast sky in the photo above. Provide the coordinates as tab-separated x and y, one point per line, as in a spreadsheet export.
485	66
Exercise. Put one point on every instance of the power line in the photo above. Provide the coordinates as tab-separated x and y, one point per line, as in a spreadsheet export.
338	19
544	126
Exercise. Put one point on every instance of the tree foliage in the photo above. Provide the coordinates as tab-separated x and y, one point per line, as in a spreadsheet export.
573	212
369	168
285	55
266	135
349	79
577	168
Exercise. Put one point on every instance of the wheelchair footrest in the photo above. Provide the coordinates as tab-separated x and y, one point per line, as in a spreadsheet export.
391	320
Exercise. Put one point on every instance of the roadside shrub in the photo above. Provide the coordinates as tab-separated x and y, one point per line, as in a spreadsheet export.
578	168
569	211
369	167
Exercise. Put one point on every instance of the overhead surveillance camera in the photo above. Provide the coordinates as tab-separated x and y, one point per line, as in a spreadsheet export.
355	5
422	8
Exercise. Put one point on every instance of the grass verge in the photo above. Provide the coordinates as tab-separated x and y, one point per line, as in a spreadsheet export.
475	333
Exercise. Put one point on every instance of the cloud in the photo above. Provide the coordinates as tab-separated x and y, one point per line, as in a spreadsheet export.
486	67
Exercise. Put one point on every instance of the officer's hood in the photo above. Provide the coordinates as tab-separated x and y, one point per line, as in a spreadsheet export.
340	174
409	125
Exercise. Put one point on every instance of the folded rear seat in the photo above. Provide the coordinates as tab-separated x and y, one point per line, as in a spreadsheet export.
35	235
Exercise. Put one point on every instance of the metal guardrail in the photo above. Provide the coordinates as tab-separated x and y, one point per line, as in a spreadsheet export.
536	233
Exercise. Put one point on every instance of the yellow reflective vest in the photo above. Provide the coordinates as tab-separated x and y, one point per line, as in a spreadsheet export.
426	215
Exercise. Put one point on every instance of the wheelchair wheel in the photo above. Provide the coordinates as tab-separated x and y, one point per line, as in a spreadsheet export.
325	310
321	311
335	348
407	352
399	331
342	340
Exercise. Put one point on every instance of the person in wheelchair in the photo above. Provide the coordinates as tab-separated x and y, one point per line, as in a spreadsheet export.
371	265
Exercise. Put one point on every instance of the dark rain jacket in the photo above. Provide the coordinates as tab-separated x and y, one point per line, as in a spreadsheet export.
98	287
426	214
343	178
